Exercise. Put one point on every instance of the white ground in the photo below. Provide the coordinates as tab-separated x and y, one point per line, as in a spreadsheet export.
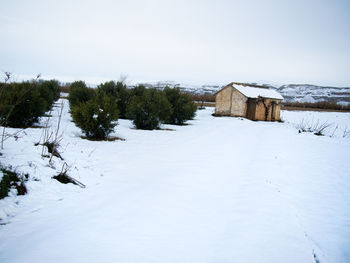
217	190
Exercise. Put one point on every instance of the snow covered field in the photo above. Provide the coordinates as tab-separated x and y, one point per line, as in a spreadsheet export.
217	190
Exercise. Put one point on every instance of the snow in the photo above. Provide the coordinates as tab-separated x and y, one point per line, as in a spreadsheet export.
216	190
253	92
307	98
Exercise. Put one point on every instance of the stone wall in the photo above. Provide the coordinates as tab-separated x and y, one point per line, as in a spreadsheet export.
223	102
230	102
239	104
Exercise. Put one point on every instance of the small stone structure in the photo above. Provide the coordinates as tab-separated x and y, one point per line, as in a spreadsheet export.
253	102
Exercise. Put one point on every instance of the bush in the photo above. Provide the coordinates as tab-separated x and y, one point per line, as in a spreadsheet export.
10	180
137	91
108	88
79	93
50	91
119	93
96	117
183	107
21	104
148	108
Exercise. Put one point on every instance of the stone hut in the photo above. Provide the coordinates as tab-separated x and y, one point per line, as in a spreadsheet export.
253	102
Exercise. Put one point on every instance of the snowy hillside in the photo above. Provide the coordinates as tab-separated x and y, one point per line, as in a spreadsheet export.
311	93
291	92
216	190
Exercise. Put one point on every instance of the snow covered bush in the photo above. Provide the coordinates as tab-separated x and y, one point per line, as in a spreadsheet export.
183	107
21	104
96	117
79	92
119	93
148	108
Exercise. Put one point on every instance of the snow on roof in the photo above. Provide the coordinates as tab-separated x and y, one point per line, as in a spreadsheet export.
254	92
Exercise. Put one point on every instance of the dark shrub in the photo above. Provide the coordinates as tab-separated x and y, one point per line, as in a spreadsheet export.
124	98
183	107
21	104
108	88
138	91
148	108
96	117
50	91
79	92
11	179
119	93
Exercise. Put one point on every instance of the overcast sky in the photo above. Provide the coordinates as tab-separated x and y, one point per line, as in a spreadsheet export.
198	42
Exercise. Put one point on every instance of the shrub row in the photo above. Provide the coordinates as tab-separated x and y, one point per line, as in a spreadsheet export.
96	111
21	104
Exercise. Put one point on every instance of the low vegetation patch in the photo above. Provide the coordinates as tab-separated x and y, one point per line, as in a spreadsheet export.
315	127
206	97
12	180
203	100
108	139
64	88
321	105
64	178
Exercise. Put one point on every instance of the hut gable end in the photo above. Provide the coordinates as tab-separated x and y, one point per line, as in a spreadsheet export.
252	102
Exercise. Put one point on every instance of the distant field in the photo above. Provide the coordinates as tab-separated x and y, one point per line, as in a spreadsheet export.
311	109
205	104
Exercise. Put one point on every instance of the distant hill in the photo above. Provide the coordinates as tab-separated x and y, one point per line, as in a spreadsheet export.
290	92
312	93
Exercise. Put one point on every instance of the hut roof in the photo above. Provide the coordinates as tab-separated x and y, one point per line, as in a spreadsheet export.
255	92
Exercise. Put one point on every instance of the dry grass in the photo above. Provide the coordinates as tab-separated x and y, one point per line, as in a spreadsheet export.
109	139
202	97
310	109
65	88
205	104
317	106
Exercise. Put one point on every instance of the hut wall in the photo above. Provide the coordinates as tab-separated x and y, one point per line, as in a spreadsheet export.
239	104
262	106
223	101
267	109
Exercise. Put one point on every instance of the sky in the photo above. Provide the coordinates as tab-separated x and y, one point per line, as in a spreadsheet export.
197	42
